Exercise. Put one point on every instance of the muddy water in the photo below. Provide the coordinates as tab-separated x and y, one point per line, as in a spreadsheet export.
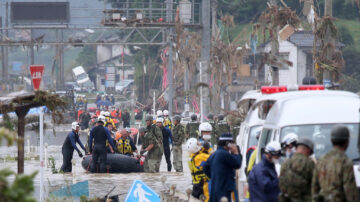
99	184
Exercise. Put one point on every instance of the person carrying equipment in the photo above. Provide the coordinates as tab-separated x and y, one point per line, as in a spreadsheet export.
69	146
99	135
167	120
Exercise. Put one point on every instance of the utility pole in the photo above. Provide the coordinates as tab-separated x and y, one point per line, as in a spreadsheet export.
2	52
328	38
32	56
275	50
170	88
214	18
205	55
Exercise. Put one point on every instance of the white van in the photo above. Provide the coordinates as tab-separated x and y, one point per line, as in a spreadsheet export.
313	115
80	75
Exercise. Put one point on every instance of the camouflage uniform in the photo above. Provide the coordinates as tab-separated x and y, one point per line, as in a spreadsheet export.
178	139
192	130
222	127
153	136
214	135
295	179
334	178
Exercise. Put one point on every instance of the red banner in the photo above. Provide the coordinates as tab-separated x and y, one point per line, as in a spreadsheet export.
36	72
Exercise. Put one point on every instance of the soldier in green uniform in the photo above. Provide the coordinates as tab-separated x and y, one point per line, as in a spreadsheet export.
191	129
178	139
296	174
214	135
152	146
222	126
333	178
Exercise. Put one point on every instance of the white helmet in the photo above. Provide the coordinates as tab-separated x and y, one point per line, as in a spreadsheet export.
205	127
102	113
107	114
166	112
101	119
159	120
159	113
192	146
74	125
290	138
273	148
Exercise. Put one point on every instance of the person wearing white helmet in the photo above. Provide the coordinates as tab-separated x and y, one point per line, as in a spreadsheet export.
167	140
69	146
99	135
159	113
205	130
263	180
167	120
288	144
198	156
109	120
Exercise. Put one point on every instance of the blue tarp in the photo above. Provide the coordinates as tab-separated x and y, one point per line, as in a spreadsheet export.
75	190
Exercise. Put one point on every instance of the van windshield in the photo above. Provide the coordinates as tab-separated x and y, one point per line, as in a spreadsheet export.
320	134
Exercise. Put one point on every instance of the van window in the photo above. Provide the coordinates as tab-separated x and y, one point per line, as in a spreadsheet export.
321	134
252	137
264	109
265	137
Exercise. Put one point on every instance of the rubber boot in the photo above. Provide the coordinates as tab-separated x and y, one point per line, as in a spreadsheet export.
169	167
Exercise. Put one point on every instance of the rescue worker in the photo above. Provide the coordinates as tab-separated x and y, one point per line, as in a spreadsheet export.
69	146
125	144
167	139
178	139
85	102
296	174
152	146
80	111
221	166
333	178
205	130
214	135
99	135
108	119
222	126
251	154
191	129
93	121
159	114
167	120
198	156
84	120
110	127
125	117
288	144
112	99
263	180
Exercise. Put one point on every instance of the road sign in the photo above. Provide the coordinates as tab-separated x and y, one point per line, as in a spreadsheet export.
36	72
140	192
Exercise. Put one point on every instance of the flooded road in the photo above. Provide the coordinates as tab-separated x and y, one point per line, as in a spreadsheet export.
99	184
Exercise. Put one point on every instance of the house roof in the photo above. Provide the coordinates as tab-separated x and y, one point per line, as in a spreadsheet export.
303	39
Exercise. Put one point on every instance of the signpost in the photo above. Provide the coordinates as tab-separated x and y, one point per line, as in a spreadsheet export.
139	191
36	76
36	72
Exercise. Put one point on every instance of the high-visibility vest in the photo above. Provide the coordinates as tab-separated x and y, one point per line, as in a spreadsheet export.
196	169
124	146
